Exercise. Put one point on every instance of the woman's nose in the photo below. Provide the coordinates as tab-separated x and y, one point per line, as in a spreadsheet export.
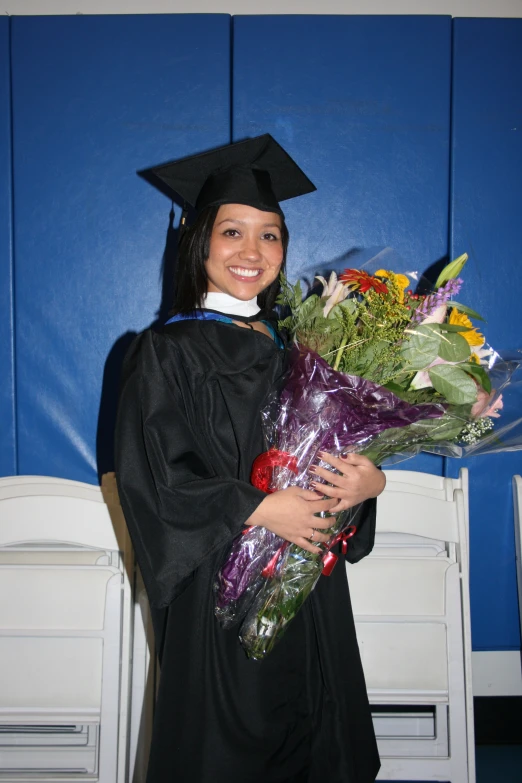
250	250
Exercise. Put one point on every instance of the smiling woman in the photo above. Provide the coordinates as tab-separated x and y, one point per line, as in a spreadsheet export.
188	432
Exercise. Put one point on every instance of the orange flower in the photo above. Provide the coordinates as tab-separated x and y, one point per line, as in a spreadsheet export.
402	281
357	280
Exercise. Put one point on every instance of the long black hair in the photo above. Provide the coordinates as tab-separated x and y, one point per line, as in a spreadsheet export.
191	279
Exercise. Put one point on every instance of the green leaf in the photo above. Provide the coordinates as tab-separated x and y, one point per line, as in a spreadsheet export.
451	270
308	307
287	323
298	295
454	384
447	428
479	373
454	348
422	347
350	305
466	310
454	328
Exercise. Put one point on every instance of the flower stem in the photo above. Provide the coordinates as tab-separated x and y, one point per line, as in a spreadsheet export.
339	353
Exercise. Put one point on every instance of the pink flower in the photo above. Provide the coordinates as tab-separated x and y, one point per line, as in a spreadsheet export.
484	406
422	379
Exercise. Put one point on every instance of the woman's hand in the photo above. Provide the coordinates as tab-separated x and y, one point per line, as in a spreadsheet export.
289	514
359	480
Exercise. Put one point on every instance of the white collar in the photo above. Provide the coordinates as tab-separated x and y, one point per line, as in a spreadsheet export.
229	305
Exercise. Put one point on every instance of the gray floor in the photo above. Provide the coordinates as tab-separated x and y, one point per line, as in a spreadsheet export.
499	763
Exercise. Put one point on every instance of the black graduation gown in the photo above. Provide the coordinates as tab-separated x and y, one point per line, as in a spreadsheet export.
188	431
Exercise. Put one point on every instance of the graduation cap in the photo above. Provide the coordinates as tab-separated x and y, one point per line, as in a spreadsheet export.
257	172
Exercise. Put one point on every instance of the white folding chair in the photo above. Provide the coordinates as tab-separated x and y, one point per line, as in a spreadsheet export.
65	632
517	503
411	605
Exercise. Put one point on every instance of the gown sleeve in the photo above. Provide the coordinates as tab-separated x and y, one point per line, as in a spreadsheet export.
362	542
177	508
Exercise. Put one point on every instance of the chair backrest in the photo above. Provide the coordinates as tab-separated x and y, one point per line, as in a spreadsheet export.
65	632
55	510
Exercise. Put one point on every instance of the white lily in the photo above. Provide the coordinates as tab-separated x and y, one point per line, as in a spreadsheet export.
340	293
482	353
328	287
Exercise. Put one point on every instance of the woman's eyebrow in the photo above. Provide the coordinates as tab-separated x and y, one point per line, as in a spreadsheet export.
231	220
243	222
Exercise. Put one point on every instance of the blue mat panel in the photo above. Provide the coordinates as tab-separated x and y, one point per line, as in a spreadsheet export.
7	416
97	98
486	222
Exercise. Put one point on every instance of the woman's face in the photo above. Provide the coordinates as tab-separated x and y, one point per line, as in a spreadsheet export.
246	251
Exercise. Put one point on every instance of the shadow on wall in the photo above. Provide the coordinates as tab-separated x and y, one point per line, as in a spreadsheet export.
114	361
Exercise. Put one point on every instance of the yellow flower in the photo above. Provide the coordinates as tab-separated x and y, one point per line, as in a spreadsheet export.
473	337
401	280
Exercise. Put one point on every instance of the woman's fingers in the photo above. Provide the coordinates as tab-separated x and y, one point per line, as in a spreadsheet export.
308	494
316	502
354	479
335	493
342	505
316	537
356	460
322	504
310	542
331	477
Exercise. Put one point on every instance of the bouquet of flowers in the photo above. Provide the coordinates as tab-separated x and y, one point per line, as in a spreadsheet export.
375	369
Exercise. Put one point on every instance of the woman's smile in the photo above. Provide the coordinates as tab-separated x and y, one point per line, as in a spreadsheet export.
244	273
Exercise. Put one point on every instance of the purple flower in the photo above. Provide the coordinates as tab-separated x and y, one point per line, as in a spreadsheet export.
437	298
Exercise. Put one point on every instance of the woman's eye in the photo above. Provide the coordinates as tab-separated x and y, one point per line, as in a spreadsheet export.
271	237
231	232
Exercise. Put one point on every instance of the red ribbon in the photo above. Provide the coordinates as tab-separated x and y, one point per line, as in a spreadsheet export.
329	559
264	465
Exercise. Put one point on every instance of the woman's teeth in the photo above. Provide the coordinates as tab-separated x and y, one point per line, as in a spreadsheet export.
238	270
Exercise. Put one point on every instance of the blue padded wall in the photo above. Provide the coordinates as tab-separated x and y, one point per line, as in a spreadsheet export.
95	100
486	222
7	419
363	104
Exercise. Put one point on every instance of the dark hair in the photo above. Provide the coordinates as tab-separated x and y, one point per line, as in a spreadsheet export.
191	275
